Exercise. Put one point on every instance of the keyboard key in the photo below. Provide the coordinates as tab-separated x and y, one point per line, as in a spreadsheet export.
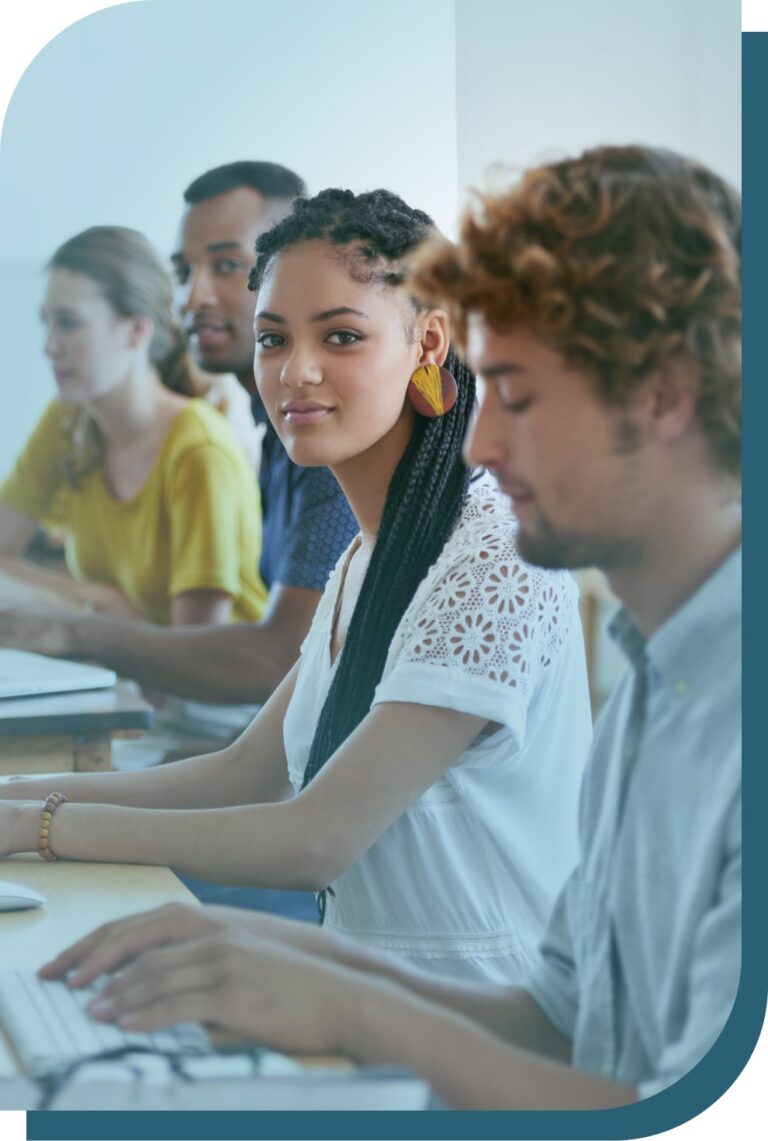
49	1029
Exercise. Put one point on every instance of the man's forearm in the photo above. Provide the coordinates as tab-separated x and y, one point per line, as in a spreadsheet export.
507	1012
220	663
232	663
468	1067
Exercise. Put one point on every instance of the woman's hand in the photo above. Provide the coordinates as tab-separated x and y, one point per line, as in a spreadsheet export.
44	590
19	826
249	986
103	598
38	632
114	944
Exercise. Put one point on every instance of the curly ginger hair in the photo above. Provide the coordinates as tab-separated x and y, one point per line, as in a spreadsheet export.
620	260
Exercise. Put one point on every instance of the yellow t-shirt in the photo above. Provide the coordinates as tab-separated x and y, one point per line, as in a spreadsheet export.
194	525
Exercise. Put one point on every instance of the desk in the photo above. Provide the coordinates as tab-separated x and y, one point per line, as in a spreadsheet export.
80	896
66	731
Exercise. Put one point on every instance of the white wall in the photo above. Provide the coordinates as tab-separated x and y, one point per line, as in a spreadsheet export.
543	78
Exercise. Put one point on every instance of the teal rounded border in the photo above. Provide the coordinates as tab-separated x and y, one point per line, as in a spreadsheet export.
722	1065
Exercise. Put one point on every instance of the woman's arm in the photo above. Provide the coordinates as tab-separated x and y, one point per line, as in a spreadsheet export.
252	769
16	530
47	588
201	607
397	752
192	607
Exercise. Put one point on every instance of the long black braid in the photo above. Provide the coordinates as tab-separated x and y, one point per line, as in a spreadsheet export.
375	231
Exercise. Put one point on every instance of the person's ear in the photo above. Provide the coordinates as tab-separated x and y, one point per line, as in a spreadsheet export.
672	398
140	331
434	337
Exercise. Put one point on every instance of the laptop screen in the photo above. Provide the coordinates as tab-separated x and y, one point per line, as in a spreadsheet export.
24	675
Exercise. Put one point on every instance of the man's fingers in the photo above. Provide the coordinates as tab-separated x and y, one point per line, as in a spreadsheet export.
71	956
113	944
165	982
172	923
187	1006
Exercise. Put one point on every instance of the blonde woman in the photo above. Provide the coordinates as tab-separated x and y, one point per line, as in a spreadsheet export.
158	501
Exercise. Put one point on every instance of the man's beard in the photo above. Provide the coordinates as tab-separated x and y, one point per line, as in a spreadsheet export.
570	550
239	367
239	360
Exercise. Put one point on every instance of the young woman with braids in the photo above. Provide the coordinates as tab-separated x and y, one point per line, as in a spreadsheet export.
422	759
159	504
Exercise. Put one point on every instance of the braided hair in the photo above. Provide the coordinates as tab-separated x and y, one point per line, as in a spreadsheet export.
374	232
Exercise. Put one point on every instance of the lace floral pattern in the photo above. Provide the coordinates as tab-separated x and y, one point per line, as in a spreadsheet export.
481	608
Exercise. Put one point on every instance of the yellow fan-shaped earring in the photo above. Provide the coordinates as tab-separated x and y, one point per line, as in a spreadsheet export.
432	390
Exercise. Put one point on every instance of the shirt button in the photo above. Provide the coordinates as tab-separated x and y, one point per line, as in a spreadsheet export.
681	687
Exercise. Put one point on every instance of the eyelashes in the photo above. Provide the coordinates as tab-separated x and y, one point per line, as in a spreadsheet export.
337	337
263	338
516	406
351	338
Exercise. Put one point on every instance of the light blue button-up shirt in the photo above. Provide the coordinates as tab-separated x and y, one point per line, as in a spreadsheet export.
640	963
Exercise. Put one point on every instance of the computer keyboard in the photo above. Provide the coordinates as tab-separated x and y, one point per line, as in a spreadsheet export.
47	1026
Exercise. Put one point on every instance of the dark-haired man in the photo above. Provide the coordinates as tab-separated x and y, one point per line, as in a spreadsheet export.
226	209
306	519
602	307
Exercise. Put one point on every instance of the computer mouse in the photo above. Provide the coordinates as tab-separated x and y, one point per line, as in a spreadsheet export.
18	897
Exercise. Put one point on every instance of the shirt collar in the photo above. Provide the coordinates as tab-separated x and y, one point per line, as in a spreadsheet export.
701	636
258	411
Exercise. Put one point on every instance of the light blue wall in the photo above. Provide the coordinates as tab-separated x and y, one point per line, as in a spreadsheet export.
551	77
119	112
124	108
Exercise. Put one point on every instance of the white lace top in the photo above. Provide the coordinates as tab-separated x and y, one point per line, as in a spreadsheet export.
464	880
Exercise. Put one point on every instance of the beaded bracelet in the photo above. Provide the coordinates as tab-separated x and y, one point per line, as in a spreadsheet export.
43	842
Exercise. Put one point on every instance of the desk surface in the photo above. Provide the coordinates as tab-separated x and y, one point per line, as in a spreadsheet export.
79	898
87	711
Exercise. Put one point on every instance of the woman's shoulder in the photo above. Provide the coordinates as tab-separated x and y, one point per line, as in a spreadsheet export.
486	534
486	504
58	428
485	529
58	417
481	580
201	426
42	482
199	421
